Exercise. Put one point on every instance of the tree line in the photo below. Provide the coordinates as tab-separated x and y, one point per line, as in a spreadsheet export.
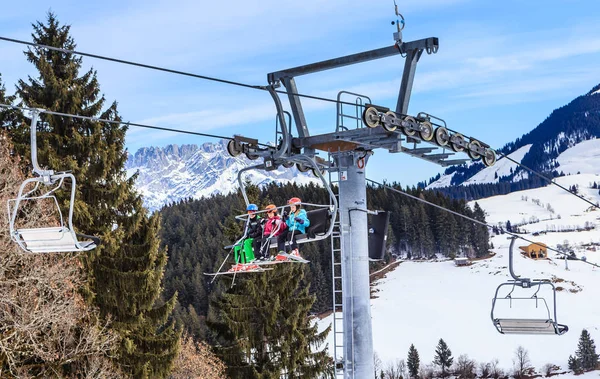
445	365
195	232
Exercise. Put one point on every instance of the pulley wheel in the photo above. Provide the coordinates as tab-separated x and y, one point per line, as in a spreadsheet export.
475	156
315	173
389	126
371	117
234	148
456	142
302	168
441	136
427	132
489	159
408	131
252	156
288	164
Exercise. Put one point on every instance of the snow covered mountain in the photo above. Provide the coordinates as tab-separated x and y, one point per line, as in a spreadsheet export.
568	126
420	302
177	172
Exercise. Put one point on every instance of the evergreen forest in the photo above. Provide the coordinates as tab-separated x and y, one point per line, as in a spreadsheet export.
196	231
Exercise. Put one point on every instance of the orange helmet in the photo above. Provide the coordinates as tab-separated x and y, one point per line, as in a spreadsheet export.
294	200
271	207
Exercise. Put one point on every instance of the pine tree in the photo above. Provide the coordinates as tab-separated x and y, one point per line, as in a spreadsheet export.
574	364
126	270
8	117
262	328
443	357
413	362
480	235
586	352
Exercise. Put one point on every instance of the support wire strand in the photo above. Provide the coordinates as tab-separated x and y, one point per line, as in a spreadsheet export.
240	84
472	219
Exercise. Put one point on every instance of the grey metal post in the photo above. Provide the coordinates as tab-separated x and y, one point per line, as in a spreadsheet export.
358	337
408	76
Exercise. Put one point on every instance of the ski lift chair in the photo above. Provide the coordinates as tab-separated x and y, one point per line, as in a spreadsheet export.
537	326
54	239
320	223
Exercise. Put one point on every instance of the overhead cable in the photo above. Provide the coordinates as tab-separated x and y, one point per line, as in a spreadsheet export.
157	68
8	106
256	87
474	220
548	179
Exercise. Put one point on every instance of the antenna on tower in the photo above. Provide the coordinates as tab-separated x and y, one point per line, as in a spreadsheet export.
400	24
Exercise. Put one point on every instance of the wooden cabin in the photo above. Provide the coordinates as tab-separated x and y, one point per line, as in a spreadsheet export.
536	250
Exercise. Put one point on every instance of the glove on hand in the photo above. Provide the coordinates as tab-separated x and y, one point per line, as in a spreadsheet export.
299	220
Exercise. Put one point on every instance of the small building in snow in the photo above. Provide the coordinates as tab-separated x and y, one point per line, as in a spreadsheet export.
536	250
462	261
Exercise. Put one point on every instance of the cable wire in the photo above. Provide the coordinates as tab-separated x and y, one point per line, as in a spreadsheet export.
474	220
8	106
538	174
235	83
551	181
163	69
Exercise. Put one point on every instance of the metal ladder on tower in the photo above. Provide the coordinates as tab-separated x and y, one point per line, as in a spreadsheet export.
337	281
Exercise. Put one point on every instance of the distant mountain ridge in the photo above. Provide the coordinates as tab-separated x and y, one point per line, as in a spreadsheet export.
172	173
539	149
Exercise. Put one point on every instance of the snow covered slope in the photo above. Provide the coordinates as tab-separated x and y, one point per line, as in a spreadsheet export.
420	302
178	172
566	127
581	158
503	167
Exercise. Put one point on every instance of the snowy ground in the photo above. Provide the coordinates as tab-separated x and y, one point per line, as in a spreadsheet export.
421	302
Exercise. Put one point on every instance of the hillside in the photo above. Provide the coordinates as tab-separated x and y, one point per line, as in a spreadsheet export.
421	302
564	128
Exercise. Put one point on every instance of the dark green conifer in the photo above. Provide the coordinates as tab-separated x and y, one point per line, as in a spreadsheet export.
413	362
127	269
586	352
443	357
262	327
8	117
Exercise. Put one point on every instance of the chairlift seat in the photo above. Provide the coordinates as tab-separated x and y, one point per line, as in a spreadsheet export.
319	225
320	220
529	326
51	240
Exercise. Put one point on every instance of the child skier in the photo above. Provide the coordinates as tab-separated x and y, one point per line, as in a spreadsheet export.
297	222
244	251
274	227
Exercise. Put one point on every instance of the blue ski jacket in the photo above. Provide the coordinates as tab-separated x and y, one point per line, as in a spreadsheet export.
298	226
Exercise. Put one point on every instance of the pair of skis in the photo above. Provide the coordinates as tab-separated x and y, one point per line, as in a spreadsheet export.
258	266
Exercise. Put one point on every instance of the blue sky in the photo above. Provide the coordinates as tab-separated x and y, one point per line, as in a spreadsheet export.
502	66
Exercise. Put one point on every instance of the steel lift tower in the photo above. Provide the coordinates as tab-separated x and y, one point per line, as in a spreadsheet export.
358	132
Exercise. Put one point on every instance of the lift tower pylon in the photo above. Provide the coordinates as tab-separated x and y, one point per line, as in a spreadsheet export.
349	149
356	308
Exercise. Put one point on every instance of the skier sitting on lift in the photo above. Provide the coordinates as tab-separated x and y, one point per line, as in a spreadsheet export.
274	226
297	222
244	251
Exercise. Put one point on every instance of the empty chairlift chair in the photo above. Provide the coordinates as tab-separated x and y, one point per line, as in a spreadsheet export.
53	239
545	325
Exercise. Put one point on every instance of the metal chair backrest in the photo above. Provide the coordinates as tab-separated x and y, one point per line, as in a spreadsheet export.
548	325
52	239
